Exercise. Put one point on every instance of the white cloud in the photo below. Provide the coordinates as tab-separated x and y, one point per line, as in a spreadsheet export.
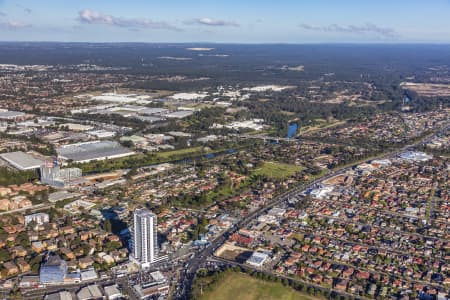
12	25
212	22
358	29
87	16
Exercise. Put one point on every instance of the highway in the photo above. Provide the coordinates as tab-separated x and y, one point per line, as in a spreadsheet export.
34	208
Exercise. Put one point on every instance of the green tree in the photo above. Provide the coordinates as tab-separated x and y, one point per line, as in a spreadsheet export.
107	226
4	255
111	246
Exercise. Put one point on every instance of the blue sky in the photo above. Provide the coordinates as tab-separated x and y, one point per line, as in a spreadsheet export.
248	21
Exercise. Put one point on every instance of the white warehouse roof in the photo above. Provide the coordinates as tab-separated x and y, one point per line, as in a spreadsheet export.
21	160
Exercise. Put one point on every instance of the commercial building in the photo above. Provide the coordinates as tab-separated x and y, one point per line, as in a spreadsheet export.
88	274
179	114
321	192
9	115
53	270
137	141
63	295
189	96
144	237
257	259
90	292
112	292
29	281
21	160
61	195
149	119
254	124
102	134
77	127
415	156
75	206
116	98
38	218
156	285
95	150
154	111
53	175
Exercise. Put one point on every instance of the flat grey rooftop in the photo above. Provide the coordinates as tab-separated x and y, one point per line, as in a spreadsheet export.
9	114
61	195
153	110
21	160
150	119
179	114
92	151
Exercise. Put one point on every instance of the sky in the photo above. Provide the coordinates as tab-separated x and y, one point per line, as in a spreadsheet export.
226	21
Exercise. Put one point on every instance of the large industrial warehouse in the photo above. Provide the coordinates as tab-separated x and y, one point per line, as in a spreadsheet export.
21	160
89	151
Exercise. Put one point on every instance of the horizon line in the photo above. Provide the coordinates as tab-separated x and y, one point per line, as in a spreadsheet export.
235	43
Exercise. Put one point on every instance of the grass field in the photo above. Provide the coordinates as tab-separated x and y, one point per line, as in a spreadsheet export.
322	125
180	152
239	286
277	170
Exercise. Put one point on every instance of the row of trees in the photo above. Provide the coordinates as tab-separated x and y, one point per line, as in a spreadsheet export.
8	176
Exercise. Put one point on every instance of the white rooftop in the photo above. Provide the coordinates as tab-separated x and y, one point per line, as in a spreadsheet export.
257	258
95	150
157	276
89	292
112	292
415	156
21	160
188	96
9	114
321	192
116	98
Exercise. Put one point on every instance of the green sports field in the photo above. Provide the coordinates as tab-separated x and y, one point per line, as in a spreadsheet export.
239	286
277	170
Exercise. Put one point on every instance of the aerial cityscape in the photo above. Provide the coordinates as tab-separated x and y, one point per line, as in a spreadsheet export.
224	150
